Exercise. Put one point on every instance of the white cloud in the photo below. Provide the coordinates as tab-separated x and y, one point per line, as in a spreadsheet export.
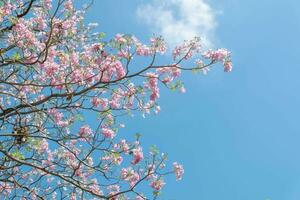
178	20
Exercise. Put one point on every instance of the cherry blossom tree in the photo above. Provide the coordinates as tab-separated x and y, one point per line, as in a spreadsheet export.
56	73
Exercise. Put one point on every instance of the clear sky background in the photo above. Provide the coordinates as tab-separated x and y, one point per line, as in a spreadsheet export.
237	134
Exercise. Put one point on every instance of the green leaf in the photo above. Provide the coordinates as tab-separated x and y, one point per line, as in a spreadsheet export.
156	193
122	197
101	35
138	136
18	155
154	150
172	86
116	155
139	89
179	84
195	70
165	156
13	20
16	56
28	148
79	118
34	143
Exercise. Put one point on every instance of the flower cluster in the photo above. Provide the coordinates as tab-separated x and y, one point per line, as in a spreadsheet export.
220	55
178	170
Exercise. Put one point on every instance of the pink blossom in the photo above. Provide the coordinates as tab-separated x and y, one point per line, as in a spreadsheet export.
96	47
115	158
157	184
130	175
143	50
153	86
138	197
205	70
85	131
113	189
137	155
124	146
73	196
5	188
43	146
158	45
108	133
119	38
48	4
119	69
157	109
68	5
228	66
57	116
178	170
94	187
182	89
218	55
96	101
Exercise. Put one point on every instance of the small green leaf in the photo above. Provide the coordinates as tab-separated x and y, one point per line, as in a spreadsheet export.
179	84
79	118
16	56
195	70
101	35
28	149
13	19
116	155
172	86
139	89
18	155
156	193
138	136
154	150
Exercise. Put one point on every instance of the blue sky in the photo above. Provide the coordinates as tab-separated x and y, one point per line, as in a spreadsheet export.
237	134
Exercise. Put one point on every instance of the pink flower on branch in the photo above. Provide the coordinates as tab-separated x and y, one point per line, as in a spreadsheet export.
178	170
137	155
85	131
108	133
157	184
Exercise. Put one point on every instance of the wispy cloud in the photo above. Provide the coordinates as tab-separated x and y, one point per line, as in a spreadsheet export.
178	20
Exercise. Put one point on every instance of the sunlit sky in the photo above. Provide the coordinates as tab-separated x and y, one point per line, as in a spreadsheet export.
237	134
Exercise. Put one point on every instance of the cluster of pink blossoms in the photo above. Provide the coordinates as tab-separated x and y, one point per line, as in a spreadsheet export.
137	155
6	9
157	46
85	131
128	174
187	49
157	184
152	84
178	170
220	55
58	117
108	132
6	188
